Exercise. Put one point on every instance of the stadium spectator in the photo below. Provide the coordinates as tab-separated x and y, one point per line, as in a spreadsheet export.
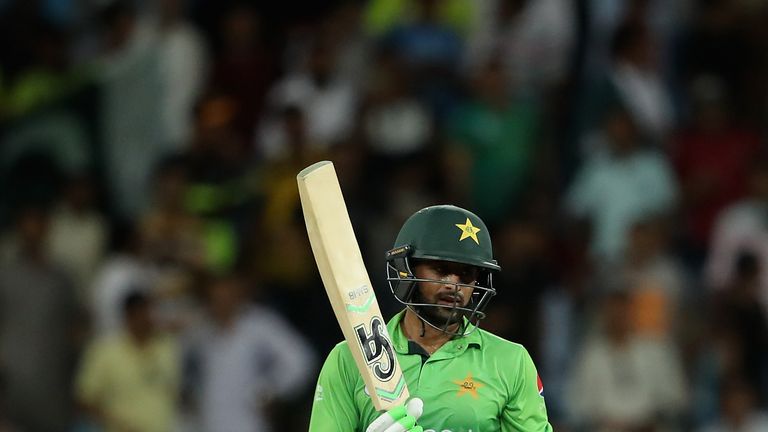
619	181
37	329
124	269
127	72
328	102
741	227
241	360
634	81
129	381
740	311
635	383
656	281
532	39
242	65
711	156
492	148
183	69
78	234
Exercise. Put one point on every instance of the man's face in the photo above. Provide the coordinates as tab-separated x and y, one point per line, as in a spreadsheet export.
139	321
225	297
445	292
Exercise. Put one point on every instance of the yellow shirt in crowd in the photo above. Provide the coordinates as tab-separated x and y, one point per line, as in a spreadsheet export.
133	388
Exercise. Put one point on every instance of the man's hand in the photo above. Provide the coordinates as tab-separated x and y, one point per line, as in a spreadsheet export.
401	418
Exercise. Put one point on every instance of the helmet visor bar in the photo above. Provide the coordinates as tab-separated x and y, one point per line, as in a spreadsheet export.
473	310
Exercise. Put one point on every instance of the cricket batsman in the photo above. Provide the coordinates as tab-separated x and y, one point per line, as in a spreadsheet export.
461	378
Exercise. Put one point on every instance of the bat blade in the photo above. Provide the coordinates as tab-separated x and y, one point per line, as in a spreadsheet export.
348	286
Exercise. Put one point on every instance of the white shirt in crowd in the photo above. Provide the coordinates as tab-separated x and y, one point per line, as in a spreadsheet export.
243	367
613	193
740	228
626	385
329	111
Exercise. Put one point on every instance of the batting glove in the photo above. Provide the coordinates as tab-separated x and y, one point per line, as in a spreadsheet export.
401	418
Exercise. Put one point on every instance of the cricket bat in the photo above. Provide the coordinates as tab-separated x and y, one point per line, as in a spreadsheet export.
348	286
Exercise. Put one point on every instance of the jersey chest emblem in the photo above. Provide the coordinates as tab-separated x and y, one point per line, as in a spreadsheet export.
468	385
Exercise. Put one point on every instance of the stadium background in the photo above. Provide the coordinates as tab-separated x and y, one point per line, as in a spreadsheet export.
615	148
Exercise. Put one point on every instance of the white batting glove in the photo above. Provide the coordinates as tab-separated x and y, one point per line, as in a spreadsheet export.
401	418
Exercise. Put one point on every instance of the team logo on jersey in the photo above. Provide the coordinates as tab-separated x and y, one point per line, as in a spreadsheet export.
540	385
468	231
468	385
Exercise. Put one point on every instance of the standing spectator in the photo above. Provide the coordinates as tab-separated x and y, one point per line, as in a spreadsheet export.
740	312
78	235
656	280
172	237
740	228
242	67
328	102
532	39
343	28
725	40
493	138
395	124
396	127
242	359
277	248
129	381
634	383
432	51
619	183
183	68
36	330
124	269
174	243
128	71
634	81
711	157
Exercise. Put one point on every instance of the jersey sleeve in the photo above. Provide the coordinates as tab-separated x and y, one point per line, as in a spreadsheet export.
334	408
526	410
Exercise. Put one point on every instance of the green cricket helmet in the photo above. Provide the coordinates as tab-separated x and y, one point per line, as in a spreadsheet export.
443	233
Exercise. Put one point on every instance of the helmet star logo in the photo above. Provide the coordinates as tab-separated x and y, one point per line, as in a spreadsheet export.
468	385
468	231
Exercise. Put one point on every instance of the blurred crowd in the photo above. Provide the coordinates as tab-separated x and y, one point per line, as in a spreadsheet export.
155	273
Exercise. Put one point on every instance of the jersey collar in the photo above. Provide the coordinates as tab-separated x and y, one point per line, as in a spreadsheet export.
453	347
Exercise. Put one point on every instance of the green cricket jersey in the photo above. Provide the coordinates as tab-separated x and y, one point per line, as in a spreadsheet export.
476	383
